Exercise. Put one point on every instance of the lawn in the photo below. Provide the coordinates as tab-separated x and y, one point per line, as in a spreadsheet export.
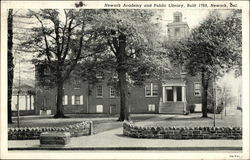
104	122
232	119
101	122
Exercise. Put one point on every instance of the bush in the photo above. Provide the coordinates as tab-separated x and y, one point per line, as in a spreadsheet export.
191	108
218	110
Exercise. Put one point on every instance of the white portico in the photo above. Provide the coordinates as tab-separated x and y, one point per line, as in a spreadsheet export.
173	96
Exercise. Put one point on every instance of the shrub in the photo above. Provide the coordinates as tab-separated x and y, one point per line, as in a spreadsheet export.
191	108
218	110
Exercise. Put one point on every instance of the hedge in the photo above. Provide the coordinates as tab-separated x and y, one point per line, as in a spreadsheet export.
78	129
132	130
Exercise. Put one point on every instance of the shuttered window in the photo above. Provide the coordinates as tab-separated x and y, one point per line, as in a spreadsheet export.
77	100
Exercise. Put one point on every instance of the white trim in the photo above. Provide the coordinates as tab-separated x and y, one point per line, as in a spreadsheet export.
151	107
81	99
110	88
195	89
65	100
151	90
99	108
174	94
73	100
163	94
97	96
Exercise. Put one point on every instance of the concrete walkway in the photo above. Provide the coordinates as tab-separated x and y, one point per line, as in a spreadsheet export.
114	140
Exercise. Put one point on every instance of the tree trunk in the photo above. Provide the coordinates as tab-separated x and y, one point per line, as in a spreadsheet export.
123	95
205	81
59	105
10	63
122	71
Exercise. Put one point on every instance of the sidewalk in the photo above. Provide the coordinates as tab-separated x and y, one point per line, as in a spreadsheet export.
115	140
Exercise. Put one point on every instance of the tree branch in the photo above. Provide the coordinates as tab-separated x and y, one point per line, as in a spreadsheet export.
45	38
111	47
68	39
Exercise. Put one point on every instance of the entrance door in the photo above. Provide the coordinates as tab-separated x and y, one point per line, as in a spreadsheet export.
170	96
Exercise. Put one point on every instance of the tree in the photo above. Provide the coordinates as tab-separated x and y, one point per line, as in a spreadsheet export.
213	48
10	62
61	39
131	39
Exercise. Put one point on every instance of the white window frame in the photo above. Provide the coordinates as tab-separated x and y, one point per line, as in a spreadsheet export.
99	96
151	90
151	107
99	75
97	108
65	100
73	100
115	75
110	92
199	95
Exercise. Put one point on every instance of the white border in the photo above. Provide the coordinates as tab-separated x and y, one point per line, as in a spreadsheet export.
244	5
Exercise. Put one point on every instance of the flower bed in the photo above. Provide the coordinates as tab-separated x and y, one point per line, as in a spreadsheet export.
132	130
78	129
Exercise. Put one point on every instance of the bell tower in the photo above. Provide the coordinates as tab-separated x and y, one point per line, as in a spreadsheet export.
177	29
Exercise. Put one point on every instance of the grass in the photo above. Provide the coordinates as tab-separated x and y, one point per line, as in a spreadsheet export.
195	120
104	122
101	122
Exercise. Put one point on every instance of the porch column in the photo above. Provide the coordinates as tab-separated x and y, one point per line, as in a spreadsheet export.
175	94
163	94
183	90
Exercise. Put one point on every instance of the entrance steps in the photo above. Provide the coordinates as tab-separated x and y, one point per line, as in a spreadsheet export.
172	107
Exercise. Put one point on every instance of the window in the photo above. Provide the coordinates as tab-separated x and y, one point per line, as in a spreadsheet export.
151	90
99	75
147	90
77	100
155	89
177	19
99	92
65	100
112	92
151	107
197	89
115	75
99	108
77	84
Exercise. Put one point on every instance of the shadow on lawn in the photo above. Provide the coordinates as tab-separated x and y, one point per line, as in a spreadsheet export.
188	118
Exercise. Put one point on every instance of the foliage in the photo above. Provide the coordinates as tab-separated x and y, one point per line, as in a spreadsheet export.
61	40
213	48
132	42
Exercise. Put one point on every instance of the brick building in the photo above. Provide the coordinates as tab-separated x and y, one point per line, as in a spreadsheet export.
172	95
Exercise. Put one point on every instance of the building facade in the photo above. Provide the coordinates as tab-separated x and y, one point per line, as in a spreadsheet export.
172	95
